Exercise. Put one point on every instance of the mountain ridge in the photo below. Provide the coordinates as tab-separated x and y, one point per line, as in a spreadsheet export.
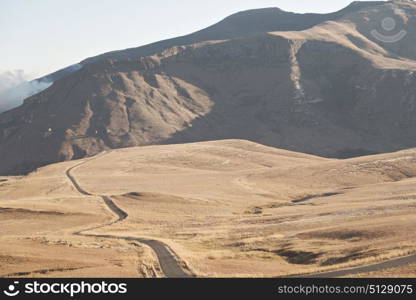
155	47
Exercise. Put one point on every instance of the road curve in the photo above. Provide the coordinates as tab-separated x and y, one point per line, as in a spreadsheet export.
397	262
170	266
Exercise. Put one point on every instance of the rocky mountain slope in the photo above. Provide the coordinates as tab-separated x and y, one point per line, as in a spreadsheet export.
333	90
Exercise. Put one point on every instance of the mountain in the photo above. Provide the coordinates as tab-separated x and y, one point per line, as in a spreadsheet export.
241	24
244	23
319	84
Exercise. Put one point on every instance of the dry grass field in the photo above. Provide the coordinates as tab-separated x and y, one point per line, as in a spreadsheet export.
227	208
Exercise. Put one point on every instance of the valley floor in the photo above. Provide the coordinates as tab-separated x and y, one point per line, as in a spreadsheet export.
225	208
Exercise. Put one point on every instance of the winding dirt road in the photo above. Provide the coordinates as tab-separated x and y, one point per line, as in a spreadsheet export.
170	266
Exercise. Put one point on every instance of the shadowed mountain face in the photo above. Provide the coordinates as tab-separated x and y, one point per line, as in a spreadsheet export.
332	90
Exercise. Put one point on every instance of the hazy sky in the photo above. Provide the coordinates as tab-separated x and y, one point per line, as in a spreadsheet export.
41	36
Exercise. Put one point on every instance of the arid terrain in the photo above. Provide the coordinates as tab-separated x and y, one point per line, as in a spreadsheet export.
226	208
318	84
269	144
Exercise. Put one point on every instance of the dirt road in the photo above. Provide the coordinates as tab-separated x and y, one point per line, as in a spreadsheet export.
170	266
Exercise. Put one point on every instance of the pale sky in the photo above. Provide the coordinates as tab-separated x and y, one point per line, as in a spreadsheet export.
42	36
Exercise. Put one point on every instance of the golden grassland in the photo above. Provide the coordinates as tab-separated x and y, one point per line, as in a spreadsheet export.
227	208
